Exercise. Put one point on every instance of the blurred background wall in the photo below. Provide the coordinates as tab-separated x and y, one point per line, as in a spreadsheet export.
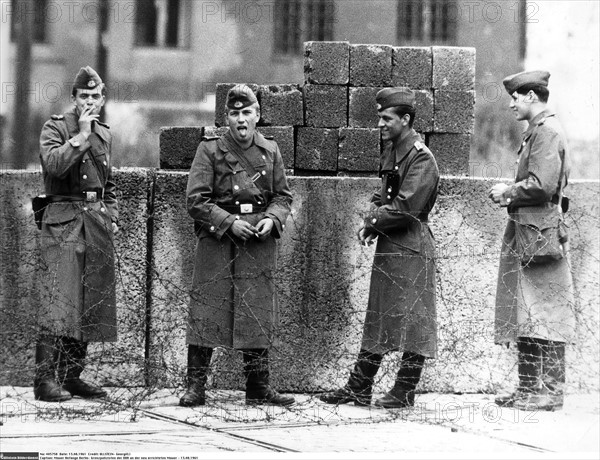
161	60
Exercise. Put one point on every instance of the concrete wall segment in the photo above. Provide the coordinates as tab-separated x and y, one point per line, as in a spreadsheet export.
121	363
323	284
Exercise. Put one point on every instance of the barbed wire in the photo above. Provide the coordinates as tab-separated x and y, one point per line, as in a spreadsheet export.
323	285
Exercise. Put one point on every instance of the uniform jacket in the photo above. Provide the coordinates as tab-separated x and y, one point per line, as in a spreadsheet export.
401	312
233	301
535	300
77	240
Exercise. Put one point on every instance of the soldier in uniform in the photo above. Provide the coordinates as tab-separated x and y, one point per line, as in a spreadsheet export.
401	312
78	295
534	299
238	195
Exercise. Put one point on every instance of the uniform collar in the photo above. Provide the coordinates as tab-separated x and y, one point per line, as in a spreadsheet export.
259	140
262	142
539	119
406	145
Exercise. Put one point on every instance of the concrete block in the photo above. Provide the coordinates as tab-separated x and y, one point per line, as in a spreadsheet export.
362	107
326	106
326	63
412	66
451	152
370	65
172	267
19	275
424	111
178	146
454	111
214	131
317	149
323	283
453	68
122	364
284	136
221	98
281	105
359	150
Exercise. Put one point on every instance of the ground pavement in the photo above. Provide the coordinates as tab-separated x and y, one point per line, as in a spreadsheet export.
150	425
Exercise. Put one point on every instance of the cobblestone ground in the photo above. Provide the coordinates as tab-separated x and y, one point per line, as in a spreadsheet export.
447	425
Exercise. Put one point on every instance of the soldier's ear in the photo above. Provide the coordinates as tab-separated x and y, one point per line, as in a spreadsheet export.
531	96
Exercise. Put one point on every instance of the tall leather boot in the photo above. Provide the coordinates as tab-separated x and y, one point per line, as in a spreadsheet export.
198	363
403	392
72	353
550	394
45	387
529	362
359	387
258	390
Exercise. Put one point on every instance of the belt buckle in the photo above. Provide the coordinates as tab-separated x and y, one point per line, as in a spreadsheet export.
246	208
91	196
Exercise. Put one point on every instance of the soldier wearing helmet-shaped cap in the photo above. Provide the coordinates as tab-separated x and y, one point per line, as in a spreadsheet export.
78	303
239	198
401	311
534	293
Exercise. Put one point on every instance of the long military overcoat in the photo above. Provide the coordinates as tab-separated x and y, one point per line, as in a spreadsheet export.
535	300
401	312
78	269
233	302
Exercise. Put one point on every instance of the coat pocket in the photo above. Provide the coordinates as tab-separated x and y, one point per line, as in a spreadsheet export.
60	213
409	239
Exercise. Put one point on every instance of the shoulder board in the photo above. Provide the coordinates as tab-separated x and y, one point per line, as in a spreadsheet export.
419	146
210	138
543	120
57	117
103	124
271	138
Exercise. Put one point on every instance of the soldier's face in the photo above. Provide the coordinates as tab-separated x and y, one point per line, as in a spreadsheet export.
85	98
520	104
242	123
390	125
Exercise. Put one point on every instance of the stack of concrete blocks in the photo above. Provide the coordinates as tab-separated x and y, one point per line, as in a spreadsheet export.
328	126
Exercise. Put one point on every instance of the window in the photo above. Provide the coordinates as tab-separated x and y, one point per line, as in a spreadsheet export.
297	21
427	21
34	11
162	23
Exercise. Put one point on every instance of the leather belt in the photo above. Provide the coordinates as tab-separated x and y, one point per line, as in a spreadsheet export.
92	196
242	208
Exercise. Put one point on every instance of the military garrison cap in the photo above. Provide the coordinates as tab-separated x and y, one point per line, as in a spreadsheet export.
392	97
240	96
535	77
87	78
